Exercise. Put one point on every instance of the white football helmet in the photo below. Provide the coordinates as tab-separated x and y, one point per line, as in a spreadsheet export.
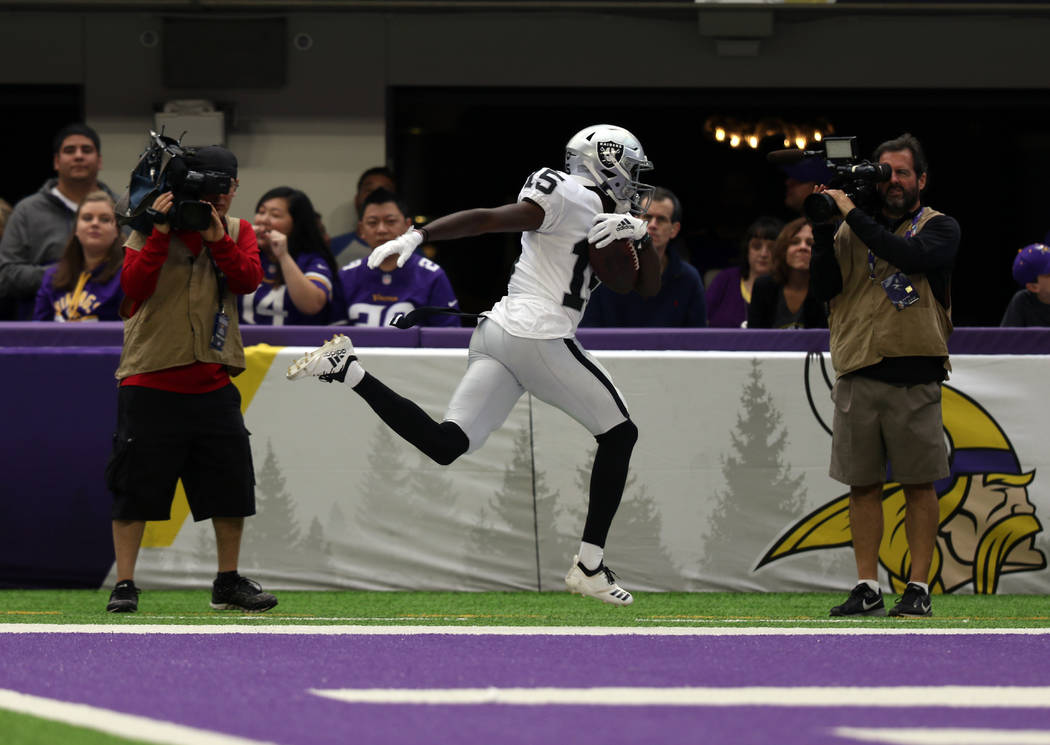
613	159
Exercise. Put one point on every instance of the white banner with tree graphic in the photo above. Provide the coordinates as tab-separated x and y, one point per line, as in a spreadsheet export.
728	488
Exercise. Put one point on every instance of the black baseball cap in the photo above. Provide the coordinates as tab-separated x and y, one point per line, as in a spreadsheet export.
213	158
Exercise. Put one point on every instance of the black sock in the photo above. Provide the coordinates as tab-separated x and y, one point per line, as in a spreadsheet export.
226	578
608	477
442	443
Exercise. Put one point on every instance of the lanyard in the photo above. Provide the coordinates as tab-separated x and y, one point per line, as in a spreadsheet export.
914	224
220	280
73	311
907	234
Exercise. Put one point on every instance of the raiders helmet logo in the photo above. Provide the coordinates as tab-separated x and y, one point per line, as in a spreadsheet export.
609	153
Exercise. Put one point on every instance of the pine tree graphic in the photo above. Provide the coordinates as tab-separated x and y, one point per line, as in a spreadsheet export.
761	495
338	532
382	498
315	551
371	549
430	488
505	535
272	536
315	540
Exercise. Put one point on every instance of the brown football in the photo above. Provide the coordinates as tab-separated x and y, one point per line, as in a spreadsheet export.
616	265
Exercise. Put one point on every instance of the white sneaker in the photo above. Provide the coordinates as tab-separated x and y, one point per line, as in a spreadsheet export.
600	583
328	362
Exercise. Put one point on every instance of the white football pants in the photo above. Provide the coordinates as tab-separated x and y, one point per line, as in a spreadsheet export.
501	367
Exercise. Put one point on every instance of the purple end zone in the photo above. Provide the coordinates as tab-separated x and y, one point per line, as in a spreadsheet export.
257	686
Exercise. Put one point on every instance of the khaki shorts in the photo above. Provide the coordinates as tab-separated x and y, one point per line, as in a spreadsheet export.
876	422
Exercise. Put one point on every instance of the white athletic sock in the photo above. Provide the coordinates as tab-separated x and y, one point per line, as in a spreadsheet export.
591	555
872	583
354	374
925	587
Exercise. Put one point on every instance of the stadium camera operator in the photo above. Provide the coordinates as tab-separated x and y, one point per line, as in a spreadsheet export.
885	272
178	413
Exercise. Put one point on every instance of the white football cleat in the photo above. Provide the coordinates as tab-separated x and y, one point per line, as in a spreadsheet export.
328	362
601	583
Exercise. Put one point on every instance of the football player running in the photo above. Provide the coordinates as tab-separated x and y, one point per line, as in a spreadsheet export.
526	342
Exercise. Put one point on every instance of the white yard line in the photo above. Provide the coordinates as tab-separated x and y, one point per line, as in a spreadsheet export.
111	722
997	697
944	735
906	628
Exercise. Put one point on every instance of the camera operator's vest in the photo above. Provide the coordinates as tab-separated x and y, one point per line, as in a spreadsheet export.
174	326
865	326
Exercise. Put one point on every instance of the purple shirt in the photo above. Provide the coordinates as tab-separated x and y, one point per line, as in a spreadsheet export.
96	301
270	304
372	297
726	307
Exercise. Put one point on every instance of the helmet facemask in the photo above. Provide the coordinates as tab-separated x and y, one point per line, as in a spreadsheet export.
613	159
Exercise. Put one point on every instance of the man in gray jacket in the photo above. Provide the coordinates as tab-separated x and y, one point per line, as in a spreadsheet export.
41	224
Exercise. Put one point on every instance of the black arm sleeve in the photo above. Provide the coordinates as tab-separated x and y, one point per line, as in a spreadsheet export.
763	307
930	250
825	274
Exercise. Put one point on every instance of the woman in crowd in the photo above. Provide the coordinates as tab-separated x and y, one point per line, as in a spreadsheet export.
730	291
85	283
298	268
781	299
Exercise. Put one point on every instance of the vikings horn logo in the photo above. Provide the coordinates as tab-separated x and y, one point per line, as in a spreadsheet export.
987	524
609	153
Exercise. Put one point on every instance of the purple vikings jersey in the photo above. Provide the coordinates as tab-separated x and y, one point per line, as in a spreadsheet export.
372	297
88	300
270	304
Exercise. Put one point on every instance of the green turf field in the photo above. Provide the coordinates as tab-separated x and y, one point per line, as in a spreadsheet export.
22	729
513	609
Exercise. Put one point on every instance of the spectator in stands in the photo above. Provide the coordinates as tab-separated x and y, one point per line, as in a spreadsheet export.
781	299
680	302
1031	305
299	272
85	284
349	246
178	414
374	297
802	178
41	224
730	292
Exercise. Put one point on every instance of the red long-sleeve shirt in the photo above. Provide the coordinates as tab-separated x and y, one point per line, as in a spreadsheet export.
238	261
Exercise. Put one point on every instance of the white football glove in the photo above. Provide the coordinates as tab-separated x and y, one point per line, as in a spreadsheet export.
609	227
403	246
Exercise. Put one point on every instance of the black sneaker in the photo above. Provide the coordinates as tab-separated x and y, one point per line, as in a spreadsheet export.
240	594
862	601
124	598
915	602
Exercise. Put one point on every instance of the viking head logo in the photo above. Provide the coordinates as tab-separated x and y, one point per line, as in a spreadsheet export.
987	524
609	153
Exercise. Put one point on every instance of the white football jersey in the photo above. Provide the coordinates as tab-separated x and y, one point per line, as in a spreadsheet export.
552	280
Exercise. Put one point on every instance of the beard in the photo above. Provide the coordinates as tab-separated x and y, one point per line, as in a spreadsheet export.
899	202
